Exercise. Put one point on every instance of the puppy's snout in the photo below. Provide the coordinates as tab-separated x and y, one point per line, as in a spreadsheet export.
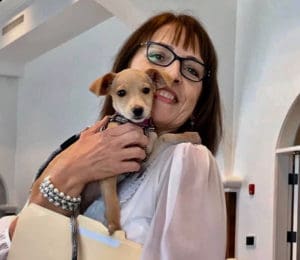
138	111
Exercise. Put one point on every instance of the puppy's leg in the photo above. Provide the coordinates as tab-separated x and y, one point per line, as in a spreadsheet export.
164	140
192	137
152	139
111	201
90	193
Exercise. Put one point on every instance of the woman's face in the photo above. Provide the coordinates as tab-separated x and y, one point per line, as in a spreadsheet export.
173	105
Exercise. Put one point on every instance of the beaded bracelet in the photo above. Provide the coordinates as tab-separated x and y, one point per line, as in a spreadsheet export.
58	198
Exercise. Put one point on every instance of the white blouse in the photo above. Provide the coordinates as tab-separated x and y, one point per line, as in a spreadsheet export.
178	212
176	208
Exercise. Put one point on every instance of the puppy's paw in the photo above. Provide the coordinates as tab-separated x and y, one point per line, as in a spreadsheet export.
192	137
112	227
168	138
152	139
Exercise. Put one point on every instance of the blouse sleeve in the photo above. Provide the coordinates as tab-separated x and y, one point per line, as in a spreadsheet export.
4	236
190	217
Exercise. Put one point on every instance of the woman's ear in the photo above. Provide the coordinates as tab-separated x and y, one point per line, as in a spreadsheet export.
159	77
102	85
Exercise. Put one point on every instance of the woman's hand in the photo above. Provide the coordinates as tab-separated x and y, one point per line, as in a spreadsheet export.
95	156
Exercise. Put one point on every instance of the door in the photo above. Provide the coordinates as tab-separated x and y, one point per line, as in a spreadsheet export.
287	227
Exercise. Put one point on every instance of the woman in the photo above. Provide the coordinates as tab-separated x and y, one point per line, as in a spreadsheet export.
176	209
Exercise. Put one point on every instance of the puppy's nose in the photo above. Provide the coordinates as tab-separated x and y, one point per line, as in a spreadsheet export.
138	111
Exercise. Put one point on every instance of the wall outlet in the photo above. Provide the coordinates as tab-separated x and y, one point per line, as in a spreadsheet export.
250	241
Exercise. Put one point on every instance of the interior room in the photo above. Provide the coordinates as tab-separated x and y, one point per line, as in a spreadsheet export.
50	52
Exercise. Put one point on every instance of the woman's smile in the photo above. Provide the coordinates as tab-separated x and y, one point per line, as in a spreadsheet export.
166	96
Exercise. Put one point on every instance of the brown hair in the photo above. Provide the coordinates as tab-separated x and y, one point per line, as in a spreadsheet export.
207	116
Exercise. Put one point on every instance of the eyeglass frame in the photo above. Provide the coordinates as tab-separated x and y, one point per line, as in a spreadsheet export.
207	72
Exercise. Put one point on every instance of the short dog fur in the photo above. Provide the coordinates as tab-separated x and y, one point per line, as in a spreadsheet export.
132	93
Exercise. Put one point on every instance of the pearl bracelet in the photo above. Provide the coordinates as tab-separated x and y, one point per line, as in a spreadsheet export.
58	198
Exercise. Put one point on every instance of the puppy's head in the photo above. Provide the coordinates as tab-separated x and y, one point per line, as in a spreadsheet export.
132	91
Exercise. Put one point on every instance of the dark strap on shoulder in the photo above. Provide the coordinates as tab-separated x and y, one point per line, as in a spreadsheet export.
62	147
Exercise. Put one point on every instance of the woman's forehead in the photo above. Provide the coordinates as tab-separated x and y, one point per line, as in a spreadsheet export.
176	36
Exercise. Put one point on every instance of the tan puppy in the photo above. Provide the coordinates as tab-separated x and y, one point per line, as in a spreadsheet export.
132	93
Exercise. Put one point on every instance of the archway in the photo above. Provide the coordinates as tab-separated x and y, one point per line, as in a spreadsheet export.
287	197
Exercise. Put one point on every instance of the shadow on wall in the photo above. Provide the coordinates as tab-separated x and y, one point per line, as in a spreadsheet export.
3	198
5	209
290	131
297	139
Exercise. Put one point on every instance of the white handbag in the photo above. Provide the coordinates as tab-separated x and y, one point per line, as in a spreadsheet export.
44	234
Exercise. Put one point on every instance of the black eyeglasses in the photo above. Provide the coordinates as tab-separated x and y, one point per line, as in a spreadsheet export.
162	55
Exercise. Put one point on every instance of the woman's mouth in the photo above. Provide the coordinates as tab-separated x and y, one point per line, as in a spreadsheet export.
165	96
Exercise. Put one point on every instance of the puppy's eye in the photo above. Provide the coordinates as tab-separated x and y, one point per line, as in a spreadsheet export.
121	93
146	90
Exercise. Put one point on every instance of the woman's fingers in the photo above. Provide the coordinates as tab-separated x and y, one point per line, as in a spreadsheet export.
97	126
134	153
95	156
130	166
113	169
114	151
126	135
98	155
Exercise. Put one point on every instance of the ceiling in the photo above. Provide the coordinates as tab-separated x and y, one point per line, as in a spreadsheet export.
42	31
50	23
9	8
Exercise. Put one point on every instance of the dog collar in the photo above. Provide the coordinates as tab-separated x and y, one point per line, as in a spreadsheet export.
147	124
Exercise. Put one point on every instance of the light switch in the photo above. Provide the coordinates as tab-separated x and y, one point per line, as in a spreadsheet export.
250	240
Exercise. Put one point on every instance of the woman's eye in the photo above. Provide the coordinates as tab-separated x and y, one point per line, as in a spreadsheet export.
192	71
121	93
146	90
156	57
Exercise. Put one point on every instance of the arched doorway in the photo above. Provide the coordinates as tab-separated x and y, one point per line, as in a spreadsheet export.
287	197
297	138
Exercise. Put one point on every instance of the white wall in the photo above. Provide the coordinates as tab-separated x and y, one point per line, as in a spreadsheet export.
8	112
268	81
53	98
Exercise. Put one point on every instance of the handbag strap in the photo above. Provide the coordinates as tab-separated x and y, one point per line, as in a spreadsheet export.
74	230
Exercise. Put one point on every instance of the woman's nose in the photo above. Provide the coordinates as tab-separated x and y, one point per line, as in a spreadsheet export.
174	71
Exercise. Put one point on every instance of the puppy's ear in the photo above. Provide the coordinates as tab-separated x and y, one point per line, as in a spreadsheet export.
159	77
101	85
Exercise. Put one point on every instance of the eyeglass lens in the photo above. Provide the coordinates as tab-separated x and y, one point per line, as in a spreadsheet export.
160	55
